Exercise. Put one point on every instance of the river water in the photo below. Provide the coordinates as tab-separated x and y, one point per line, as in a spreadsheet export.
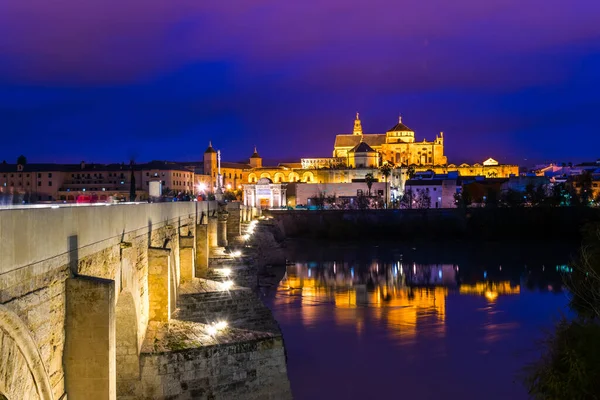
421	321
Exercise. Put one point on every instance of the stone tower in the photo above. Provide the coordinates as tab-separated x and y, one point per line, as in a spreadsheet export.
357	126
255	159
210	164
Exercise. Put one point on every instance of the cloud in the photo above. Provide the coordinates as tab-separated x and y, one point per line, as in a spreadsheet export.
71	41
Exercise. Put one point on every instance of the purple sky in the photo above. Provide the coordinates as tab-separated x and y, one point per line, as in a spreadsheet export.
106	80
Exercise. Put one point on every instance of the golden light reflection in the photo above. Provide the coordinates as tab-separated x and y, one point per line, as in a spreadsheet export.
398	306
491	290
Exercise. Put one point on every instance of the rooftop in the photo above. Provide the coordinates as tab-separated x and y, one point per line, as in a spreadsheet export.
362	147
373	140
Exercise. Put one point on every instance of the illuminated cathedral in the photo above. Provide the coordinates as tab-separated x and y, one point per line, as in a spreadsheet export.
397	145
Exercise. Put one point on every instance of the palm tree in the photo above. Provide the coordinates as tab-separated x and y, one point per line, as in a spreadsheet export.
369	179
386	170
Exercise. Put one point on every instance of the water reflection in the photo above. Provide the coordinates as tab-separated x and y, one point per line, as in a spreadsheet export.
403	296
414	320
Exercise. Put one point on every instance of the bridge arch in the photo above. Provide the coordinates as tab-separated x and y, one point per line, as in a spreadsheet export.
30	379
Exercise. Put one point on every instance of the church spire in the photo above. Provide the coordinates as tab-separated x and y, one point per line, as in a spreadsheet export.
210	148
357	126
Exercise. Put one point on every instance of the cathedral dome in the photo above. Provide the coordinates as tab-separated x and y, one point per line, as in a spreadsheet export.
400	127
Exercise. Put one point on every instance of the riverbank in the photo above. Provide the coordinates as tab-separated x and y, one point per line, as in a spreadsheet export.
473	223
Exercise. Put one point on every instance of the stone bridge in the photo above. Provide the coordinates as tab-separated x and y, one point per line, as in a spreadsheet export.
105	302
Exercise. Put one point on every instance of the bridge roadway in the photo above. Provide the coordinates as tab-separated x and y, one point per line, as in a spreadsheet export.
80	286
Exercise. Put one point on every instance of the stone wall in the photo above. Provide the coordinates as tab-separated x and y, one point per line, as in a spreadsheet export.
41	248
248	370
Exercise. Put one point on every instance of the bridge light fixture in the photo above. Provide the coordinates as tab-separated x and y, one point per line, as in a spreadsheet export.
236	253
221	325
211	330
227	285
226	271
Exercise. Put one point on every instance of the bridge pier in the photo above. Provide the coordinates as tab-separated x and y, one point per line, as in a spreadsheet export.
222	217
212	232
89	360
201	250
159	284
234	221
186	258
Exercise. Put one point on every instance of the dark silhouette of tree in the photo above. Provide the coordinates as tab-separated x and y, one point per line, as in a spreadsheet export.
362	202
369	179
411	171
132	195
570	364
406	200
559	195
463	198
423	198
319	200
331	200
512	198
21	160
386	170
491	198
584	183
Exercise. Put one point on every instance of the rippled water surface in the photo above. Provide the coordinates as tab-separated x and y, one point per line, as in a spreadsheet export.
363	321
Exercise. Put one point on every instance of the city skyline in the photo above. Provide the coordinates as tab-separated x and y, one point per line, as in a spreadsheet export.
499	80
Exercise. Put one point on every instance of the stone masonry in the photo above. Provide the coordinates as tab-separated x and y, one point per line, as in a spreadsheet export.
106	302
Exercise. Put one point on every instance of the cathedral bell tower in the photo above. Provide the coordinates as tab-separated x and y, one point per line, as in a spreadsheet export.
357	126
210	164
255	159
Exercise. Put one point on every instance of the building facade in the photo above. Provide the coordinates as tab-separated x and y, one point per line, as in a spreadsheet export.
397	145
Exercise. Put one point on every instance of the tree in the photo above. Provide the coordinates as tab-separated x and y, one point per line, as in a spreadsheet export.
369	179
463	199
491	199
512	198
423	198
584	182
331	200
559	195
406	200
132	194
319	200
570	364
362	202
21	160
411	171
386	170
